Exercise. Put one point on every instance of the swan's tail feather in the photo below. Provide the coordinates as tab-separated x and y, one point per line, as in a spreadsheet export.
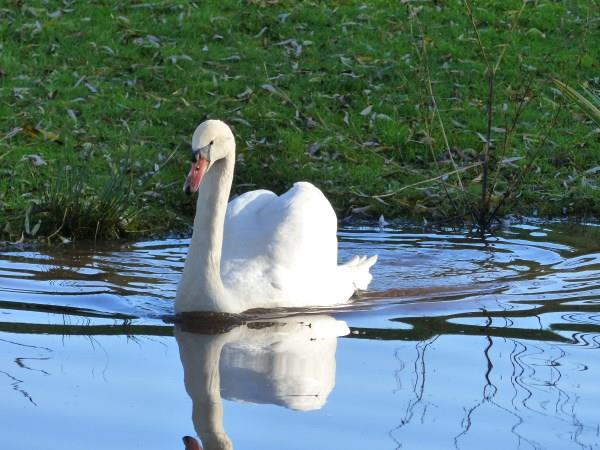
359	267
355	259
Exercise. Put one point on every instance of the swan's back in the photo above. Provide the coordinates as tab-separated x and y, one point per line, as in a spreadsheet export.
279	246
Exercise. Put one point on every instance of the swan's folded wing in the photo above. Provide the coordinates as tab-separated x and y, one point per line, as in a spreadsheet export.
247	204
279	245
245	234
305	238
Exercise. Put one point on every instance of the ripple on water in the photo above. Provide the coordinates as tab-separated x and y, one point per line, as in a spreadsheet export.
459	339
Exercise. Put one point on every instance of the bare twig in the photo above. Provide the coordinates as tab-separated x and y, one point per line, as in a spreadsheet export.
423	56
485	194
418	183
518	176
428	126
437	113
524	101
484	205
476	29
60	227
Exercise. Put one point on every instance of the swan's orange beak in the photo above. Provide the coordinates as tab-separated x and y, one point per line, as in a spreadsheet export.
191	443
194	178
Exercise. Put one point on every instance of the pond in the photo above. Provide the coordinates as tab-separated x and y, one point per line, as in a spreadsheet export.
462	343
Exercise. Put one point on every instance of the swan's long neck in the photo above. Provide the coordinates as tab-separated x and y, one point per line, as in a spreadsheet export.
201	288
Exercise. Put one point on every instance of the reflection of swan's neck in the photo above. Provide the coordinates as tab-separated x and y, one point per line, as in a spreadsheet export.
201	288
200	358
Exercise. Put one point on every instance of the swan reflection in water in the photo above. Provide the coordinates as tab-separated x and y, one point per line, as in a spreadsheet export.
287	362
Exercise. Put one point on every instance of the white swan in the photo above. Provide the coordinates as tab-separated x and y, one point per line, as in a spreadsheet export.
261	250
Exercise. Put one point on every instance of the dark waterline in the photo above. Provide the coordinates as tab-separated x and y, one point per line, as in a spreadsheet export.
462	343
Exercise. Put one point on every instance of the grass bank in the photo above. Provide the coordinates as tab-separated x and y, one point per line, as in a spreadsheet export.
383	104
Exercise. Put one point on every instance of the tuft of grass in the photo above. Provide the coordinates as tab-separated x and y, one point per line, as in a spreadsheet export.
73	207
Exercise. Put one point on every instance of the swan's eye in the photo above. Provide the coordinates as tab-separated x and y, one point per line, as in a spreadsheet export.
211	142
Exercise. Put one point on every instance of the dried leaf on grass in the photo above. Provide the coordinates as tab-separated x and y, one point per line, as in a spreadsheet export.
510	161
71	113
12	133
35	160
175	58
91	88
270	88
314	148
593	170
38	132
245	94
366	111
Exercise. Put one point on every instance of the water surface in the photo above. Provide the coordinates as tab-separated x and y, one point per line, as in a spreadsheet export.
463	343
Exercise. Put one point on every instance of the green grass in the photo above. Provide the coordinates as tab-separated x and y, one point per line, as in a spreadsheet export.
330	92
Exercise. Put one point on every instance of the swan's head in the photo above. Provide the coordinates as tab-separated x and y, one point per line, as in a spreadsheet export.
212	140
